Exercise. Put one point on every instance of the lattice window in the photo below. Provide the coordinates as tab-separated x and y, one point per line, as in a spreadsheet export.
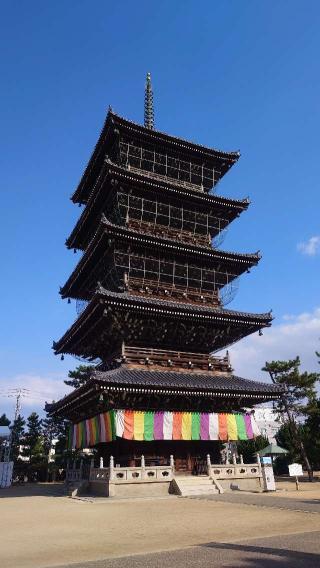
172	273
166	166
169	216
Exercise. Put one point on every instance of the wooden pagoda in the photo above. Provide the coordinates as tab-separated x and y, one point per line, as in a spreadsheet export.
154	286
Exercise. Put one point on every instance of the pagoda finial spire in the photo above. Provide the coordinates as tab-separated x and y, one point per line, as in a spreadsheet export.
148	104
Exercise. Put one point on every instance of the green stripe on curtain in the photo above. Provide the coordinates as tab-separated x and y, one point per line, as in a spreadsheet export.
195	426
148	426
241	426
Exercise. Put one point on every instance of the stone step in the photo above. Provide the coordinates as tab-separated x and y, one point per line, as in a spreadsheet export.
199	491
194	480
195	486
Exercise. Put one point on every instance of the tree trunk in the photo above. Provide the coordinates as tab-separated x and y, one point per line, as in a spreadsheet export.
297	439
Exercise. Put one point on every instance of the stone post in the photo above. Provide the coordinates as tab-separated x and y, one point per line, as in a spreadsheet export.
101	462
111	476
172	463
208	464
143	467
234	459
241	459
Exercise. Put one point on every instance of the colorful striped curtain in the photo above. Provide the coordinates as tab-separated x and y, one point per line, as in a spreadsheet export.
148	426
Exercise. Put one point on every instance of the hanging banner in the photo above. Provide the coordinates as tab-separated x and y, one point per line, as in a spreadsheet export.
148	426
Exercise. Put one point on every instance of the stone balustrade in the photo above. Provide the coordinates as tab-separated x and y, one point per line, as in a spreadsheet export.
225	476
141	474
232	471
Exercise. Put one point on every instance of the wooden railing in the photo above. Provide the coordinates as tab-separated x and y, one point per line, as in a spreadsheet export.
175	359
151	228
167	291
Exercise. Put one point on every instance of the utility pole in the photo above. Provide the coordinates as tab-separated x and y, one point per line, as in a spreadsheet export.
6	470
17	393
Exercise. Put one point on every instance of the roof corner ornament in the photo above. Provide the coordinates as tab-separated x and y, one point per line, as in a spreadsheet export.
148	104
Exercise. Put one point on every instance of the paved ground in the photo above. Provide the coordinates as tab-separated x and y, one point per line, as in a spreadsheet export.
43	529
293	551
303	502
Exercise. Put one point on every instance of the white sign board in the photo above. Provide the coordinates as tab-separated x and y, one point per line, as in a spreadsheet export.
6	474
295	470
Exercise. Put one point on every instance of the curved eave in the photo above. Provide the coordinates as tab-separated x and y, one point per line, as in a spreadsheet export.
104	300
175	141
121	173
169	384
114	121
233	207
242	261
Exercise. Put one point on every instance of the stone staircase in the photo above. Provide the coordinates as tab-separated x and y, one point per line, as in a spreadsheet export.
193	485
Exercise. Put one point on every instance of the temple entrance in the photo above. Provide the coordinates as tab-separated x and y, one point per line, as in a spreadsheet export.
190	456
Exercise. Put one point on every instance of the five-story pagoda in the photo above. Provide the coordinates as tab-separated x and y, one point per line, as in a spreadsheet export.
154	285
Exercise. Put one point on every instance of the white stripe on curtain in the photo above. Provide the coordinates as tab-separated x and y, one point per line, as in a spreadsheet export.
119	423
167	425
213	426
255	427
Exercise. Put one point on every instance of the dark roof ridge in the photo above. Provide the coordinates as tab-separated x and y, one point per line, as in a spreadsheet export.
212	254
179	306
113	117
100	374
203	249
170	183
171	379
232	155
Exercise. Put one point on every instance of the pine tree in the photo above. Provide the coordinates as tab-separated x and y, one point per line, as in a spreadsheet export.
249	448
33	439
54	428
4	420
298	400
17	433
79	376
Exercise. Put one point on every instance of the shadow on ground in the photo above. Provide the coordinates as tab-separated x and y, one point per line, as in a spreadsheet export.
34	489
272	552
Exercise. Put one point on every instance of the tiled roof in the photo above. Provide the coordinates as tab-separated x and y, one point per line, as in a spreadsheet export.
234	156
231	207
190	380
170	382
239	261
211	312
185	247
171	185
112	120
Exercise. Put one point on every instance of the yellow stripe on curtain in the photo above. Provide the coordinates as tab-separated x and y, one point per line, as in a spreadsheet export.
232	427
186	426
138	426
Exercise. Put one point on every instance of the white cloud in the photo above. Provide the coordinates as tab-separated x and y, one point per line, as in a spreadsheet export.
37	390
299	335
310	247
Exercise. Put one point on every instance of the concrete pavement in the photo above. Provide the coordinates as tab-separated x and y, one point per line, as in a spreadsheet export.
290	551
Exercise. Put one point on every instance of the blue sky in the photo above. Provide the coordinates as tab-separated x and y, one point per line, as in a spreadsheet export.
232	75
